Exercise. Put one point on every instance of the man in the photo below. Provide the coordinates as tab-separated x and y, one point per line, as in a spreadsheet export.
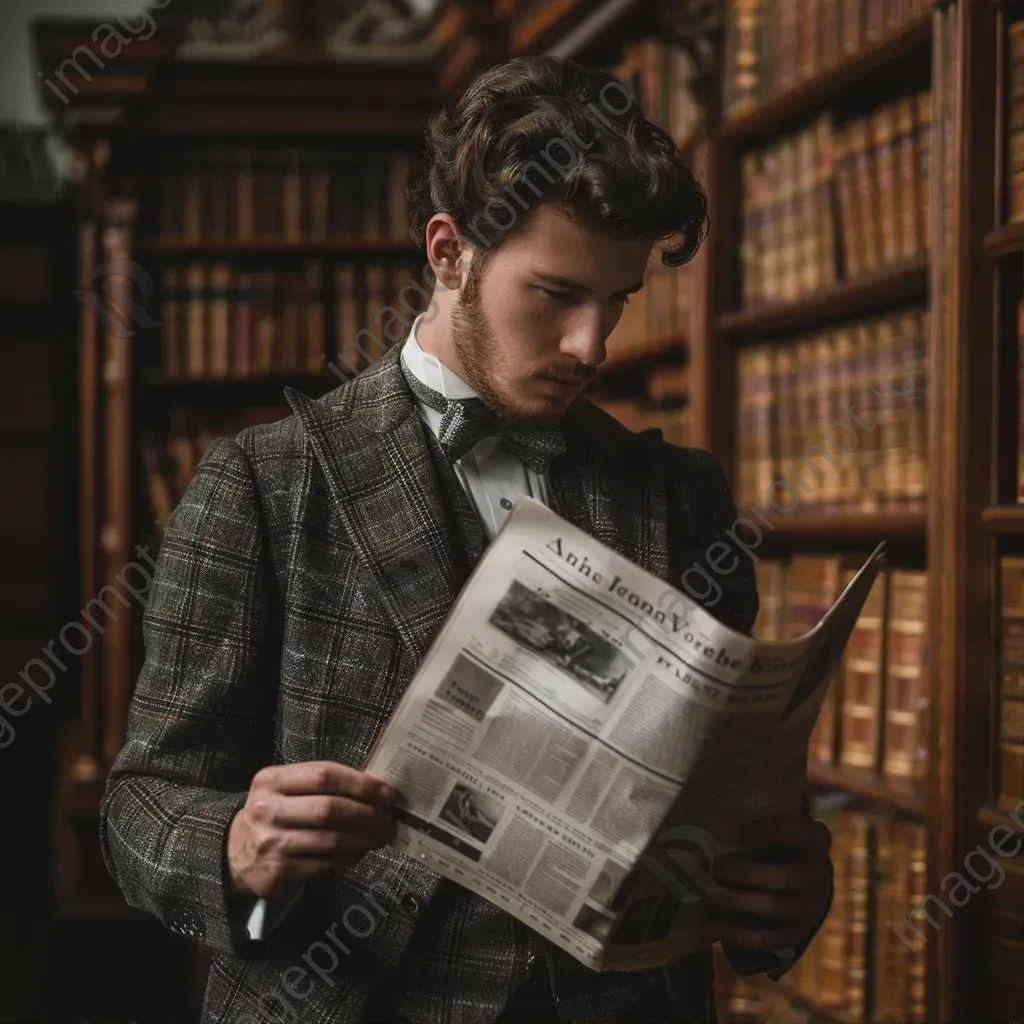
312	561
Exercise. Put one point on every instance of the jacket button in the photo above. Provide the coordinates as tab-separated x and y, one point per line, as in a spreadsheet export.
411	904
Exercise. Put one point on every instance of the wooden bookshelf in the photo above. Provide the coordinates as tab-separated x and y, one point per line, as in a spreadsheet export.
340	247
957	48
156	383
1004	519
903	797
796	529
991	817
1005	241
797	104
876	293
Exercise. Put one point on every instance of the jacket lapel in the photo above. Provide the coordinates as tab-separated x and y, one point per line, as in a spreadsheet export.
605	484
368	439
370	442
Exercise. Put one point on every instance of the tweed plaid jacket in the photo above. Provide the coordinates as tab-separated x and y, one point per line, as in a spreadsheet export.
300	582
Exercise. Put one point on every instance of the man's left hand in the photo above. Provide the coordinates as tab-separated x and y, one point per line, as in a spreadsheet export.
776	887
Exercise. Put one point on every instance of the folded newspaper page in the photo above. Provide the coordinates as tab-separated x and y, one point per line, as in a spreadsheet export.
582	741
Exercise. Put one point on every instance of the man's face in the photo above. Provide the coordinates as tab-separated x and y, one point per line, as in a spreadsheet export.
530	332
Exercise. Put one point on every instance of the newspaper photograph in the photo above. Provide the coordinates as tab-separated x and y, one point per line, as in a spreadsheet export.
578	726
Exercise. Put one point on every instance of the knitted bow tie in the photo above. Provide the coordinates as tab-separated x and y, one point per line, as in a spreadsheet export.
468	420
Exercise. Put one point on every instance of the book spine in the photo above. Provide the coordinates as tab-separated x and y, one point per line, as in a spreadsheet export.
313	328
172	360
825	218
265	330
810	260
860	743
859	887
291	196
874	20
848	202
220	321
195	321
867	194
397	214
882	132
909	183
242	340
1015	121
922	146
292	312
851	27
193	195
906	695
245	196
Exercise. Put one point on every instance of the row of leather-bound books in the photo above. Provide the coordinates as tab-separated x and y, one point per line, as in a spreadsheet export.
867	962
836	202
874	720
289	194
774	45
836	421
170	456
1011	688
665	405
224	321
658	314
1015	121
660	76
1020	401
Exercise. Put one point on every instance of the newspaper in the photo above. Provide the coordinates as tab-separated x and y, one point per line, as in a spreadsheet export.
579	731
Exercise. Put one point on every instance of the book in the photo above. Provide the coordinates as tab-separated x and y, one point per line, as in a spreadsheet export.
1011	688
862	674
907	702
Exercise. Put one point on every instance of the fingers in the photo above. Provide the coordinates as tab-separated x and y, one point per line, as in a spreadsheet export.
321	811
788	830
771	938
309	778
740	873
763	904
321	844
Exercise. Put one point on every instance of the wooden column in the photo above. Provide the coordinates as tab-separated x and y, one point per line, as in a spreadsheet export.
960	556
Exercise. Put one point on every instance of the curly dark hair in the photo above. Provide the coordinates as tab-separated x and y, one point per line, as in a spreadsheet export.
546	129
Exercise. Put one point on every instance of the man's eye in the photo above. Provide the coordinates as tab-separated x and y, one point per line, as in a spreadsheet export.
567	298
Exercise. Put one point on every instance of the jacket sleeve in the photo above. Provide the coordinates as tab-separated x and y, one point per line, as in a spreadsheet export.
200	721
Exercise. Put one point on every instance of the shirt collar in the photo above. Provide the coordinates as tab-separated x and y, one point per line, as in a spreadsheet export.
431	371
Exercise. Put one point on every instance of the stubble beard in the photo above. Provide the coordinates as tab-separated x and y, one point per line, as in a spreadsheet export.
478	350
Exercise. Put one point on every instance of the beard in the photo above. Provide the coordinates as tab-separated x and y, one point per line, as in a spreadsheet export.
479	352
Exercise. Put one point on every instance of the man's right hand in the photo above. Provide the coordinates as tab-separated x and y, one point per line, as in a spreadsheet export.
304	820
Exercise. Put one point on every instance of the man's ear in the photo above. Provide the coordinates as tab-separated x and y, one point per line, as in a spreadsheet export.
449	252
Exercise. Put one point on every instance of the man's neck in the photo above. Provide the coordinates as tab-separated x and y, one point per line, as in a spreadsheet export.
435	338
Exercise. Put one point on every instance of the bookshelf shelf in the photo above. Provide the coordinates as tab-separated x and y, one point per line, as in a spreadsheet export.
1005	241
810	96
889	289
651	349
798	529
992	816
1004	519
902	797
826	1014
203	387
272	249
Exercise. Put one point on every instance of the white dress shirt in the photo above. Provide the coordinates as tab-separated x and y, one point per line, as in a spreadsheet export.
492	476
